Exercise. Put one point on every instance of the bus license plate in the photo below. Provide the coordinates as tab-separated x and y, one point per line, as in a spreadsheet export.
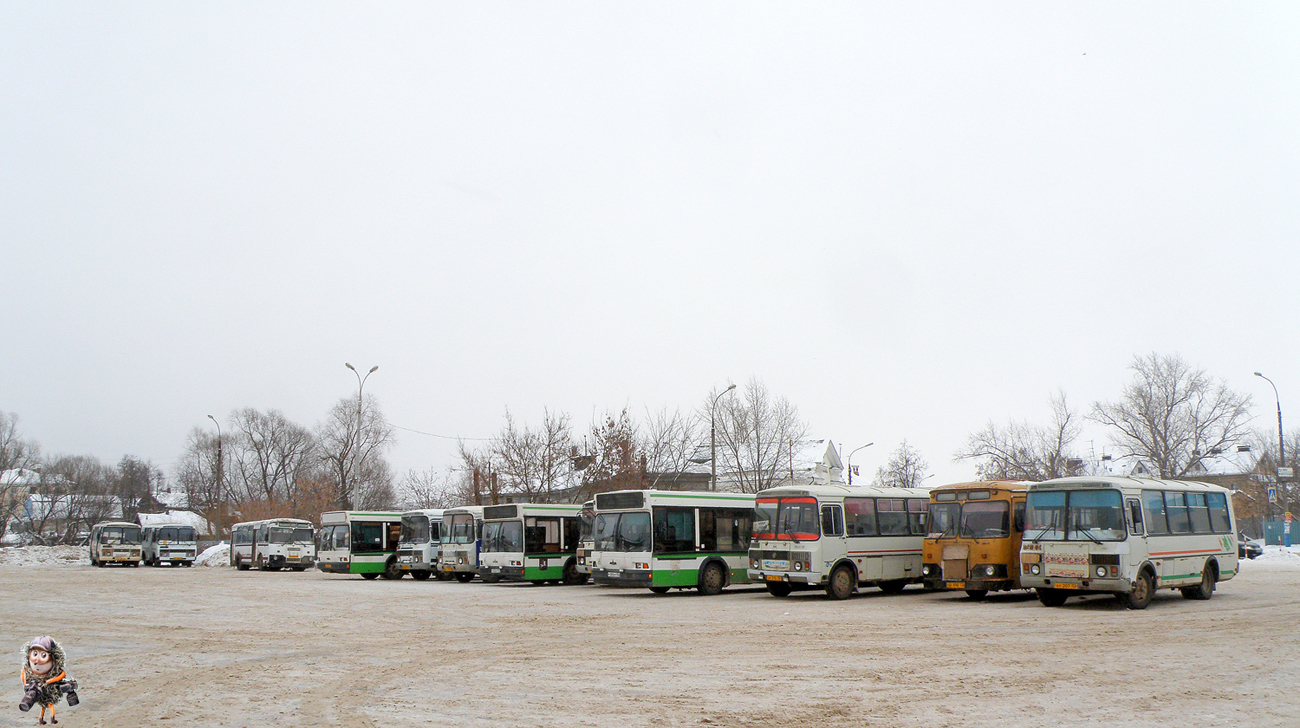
1065	585
776	565
771	577
496	569
956	585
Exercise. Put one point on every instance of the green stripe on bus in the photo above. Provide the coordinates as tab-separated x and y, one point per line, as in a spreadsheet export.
675	577
533	573
366	567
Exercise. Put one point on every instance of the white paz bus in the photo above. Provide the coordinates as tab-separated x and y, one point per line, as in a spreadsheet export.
662	539
838	538
418	549
168	543
462	529
115	542
272	544
535	542
359	542
1127	537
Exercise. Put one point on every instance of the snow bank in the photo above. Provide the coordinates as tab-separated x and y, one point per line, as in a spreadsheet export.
1276	557
218	555
44	556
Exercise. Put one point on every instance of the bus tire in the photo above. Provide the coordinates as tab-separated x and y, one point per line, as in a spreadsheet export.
370	575
841	583
894	586
1204	590
1051	597
1144	587
464	577
419	575
391	571
779	588
240	565
494	578
977	594
571	575
660	589
712	579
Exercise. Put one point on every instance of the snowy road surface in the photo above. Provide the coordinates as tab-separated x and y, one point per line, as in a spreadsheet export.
216	647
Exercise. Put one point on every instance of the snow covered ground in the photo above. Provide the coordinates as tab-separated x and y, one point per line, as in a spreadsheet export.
1275	557
44	556
218	555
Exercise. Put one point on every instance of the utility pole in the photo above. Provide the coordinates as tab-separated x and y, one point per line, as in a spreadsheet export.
713	440
220	478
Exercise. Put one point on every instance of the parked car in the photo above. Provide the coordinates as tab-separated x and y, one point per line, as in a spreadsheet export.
1246	548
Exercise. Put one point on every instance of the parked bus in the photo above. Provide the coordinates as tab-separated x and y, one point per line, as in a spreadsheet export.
171	543
666	539
587	519
462	533
272	544
974	541
1127	537
359	542
418	549
838	538
114	542
534	542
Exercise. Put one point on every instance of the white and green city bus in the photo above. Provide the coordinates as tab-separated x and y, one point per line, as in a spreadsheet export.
417	552
359	542
587	520
666	539
272	544
838	537
1128	537
534	542
462	531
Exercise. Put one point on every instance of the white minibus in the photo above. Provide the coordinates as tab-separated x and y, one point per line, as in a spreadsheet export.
272	544
462	531
838	537
1128	537
168	543
114	542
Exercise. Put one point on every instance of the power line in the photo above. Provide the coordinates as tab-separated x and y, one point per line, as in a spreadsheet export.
444	437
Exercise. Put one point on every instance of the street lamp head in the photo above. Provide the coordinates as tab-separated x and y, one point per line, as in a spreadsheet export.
214	419
1259	375
349	366
373	369
728	389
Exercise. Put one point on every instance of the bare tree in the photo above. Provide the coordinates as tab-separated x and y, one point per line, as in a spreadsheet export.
429	489
1173	415
133	483
668	440
16	453
352	440
270	454
612	461
1022	451
905	469
755	432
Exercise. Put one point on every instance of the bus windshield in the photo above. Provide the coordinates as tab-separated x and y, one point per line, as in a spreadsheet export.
943	519
120	534
793	519
503	536
1075	515
175	533
622	531
461	529
586	522
415	529
986	519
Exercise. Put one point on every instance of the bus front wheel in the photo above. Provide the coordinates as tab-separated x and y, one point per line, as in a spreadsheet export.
419	575
1051	597
370	575
391	571
712	580
240	565
841	584
571	575
778	588
660	589
977	594
894	586
464	577
1143	589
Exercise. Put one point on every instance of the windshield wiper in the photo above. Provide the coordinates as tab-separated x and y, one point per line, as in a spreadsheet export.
1091	537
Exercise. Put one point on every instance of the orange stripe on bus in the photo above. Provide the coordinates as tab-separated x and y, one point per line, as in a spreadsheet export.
1175	553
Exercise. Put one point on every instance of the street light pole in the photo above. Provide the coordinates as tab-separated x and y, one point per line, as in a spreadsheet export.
869	444
220	477
1281	438
713	440
361	385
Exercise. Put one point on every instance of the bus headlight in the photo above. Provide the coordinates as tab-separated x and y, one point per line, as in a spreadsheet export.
798	566
753	563
1033	569
1101	571
925	570
990	570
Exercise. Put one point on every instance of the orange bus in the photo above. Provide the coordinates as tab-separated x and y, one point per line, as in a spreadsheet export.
974	537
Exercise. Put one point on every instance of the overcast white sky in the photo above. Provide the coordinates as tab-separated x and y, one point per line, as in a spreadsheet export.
908	218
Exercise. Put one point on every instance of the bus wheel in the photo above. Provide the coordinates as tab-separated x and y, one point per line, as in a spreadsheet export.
1051	597
370	575
894	586
1143	589
711	580
240	565
496	578
391	571
1205	589
464	577
660	589
419	575
977	594
841	584
571	575
778	588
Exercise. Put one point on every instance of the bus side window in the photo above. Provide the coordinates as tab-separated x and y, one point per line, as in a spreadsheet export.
1019	517
1135	516
832	521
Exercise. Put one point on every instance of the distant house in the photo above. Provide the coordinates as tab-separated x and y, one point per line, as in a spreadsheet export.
167	518
806	462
